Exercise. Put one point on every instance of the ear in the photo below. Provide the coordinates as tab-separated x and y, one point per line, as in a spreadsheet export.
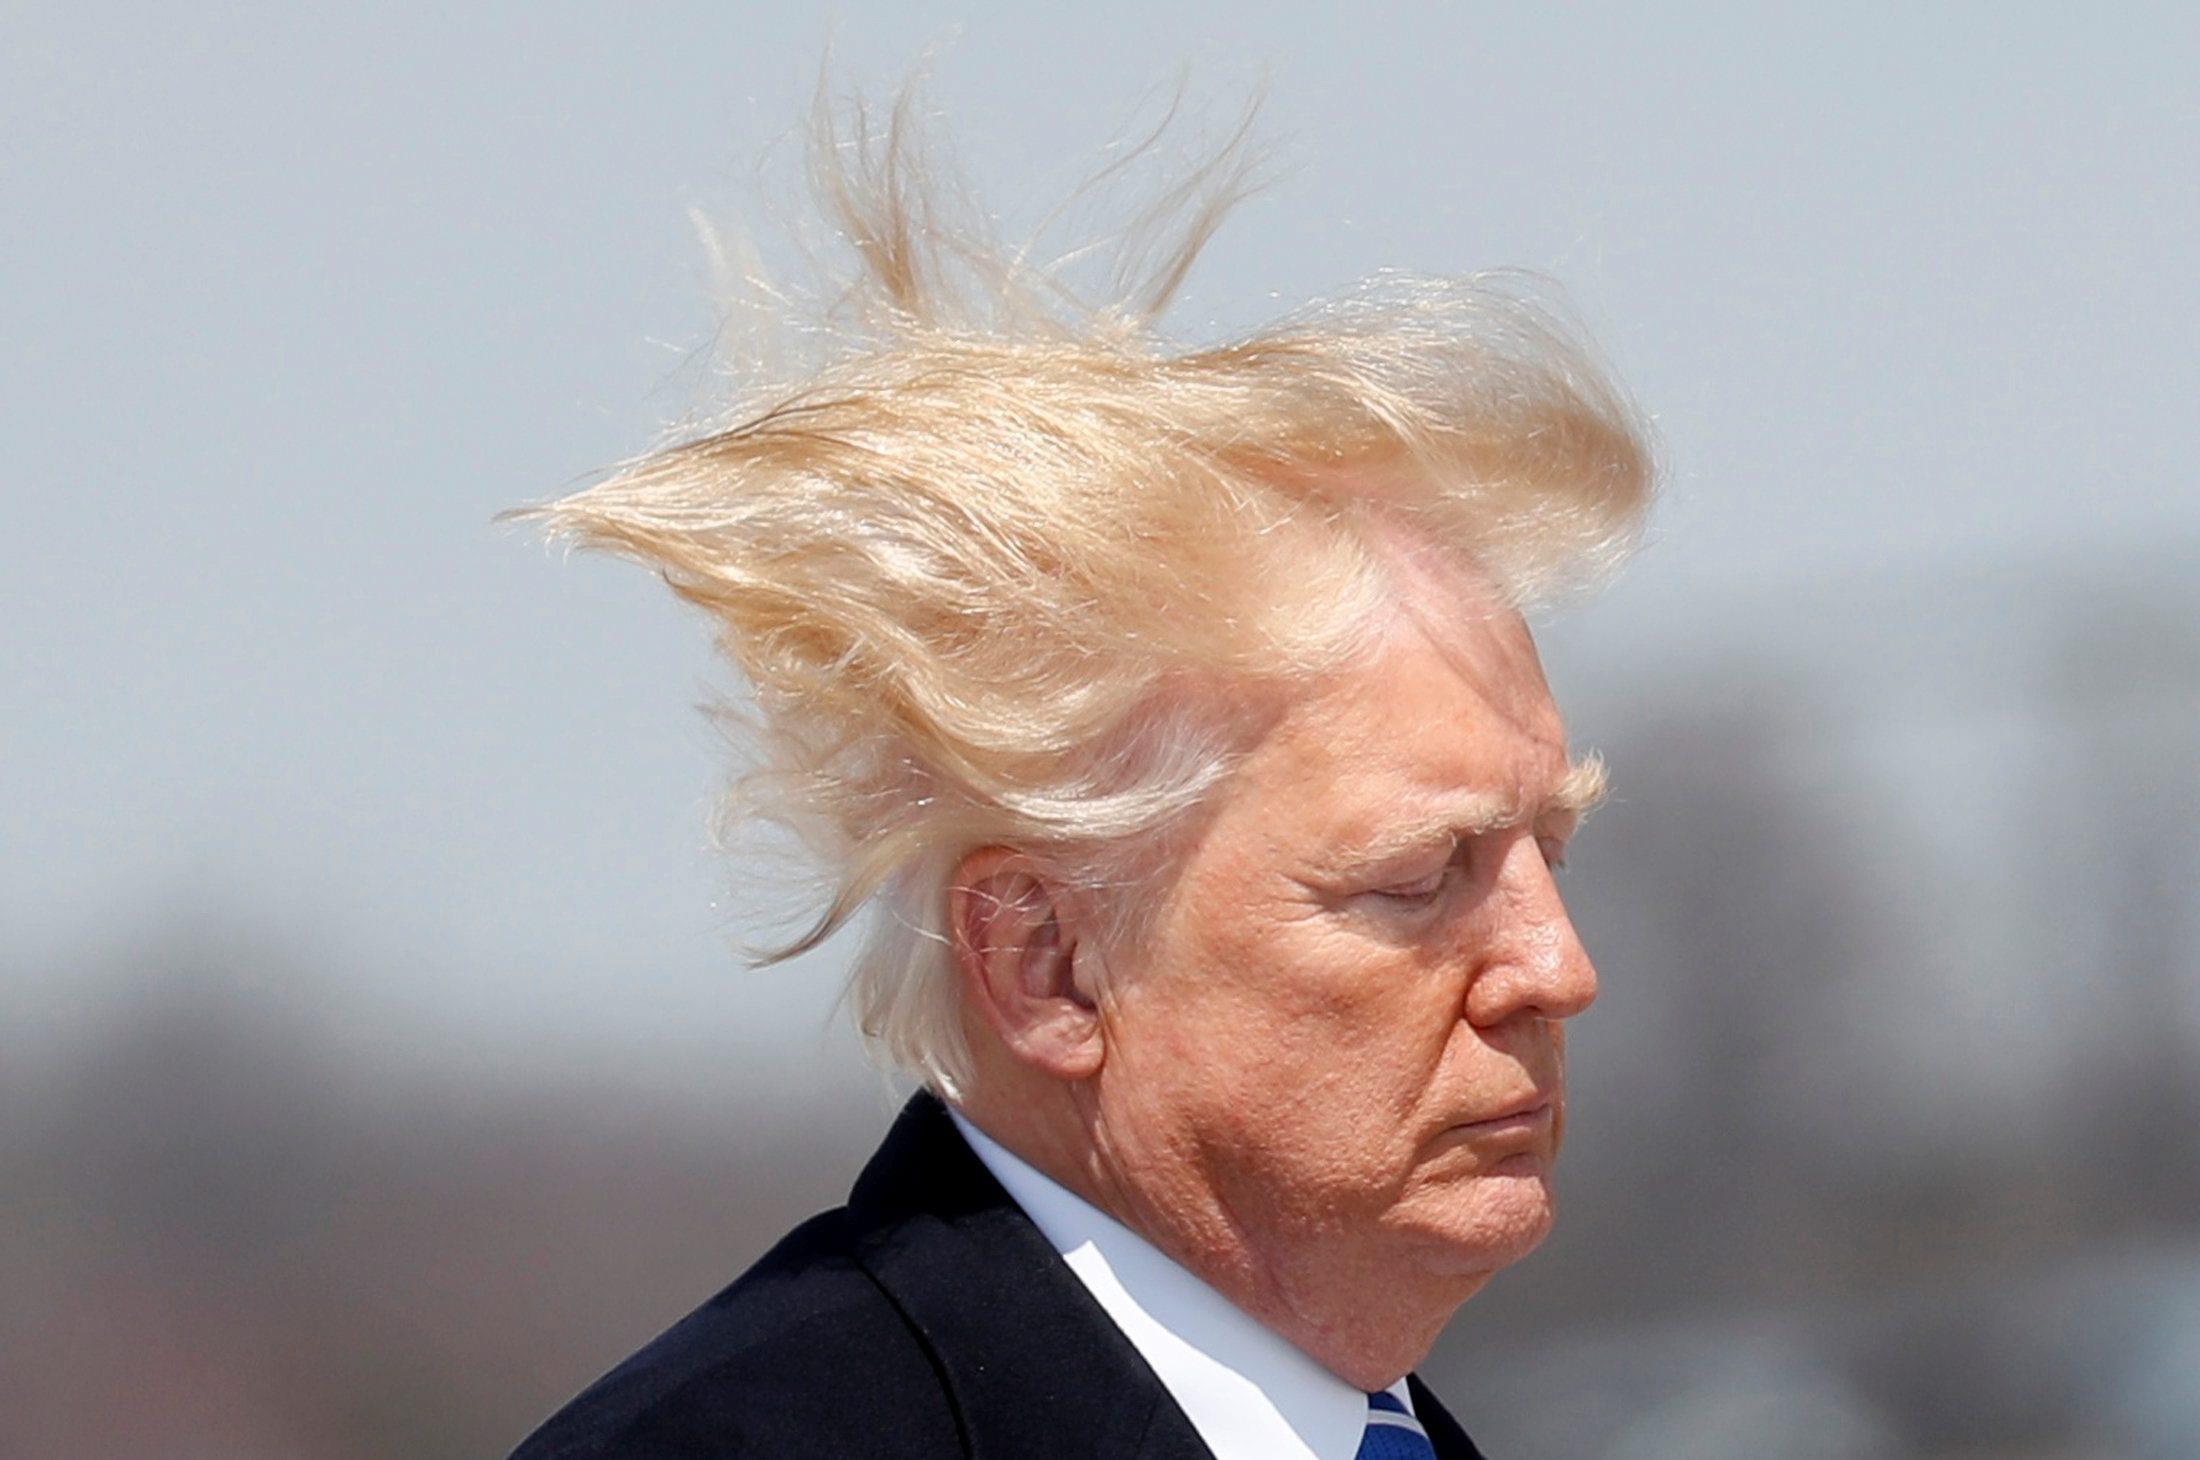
1016	944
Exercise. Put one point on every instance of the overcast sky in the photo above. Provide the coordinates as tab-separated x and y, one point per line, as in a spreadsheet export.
294	299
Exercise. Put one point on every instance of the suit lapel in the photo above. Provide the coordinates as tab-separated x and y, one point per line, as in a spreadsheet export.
1448	1440
1034	1366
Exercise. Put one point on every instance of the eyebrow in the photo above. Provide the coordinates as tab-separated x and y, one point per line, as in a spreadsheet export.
1475	813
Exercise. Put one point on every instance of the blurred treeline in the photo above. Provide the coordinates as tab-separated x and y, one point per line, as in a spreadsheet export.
1883	1145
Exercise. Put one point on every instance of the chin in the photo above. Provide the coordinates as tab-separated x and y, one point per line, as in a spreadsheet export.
1490	1222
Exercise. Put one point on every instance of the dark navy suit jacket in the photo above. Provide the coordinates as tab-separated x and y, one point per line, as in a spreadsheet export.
927	1318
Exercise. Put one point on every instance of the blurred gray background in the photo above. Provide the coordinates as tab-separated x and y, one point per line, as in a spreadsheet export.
375	1061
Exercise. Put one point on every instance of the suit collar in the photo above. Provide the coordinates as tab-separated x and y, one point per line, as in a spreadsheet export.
1033	1365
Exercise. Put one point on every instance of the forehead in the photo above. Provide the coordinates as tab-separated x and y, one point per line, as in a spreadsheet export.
1439	707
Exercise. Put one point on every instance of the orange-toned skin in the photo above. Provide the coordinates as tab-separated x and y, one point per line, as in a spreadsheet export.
1300	1091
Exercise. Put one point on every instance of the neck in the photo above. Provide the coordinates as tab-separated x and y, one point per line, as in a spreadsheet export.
1367	1315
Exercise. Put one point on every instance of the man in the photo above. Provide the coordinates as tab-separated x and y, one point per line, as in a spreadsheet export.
1177	707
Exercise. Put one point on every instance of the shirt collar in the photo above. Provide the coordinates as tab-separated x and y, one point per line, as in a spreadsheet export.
1249	1392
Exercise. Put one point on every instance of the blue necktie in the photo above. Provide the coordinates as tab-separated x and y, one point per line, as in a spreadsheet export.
1392	1432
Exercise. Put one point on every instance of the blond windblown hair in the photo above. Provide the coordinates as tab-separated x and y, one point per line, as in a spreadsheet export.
990	552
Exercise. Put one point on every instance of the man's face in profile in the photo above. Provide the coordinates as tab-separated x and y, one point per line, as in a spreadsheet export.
1344	1039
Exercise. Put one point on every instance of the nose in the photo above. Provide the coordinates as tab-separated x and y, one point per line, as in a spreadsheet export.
1532	961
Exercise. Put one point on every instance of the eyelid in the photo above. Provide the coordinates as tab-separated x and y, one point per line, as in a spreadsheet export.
1424	888
1427	885
1406	864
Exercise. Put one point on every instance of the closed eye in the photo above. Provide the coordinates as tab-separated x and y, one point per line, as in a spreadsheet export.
1430	888
1421	890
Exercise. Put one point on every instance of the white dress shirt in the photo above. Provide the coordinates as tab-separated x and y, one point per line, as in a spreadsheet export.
1249	1393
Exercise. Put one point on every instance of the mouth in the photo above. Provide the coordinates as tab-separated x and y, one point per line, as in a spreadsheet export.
1523	1117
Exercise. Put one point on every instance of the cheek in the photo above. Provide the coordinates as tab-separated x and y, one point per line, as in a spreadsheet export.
1311	1032
1283	972
1229	1001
